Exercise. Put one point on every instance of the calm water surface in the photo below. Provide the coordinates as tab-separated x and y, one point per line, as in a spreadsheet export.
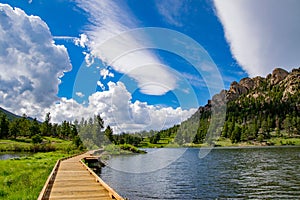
232	173
11	155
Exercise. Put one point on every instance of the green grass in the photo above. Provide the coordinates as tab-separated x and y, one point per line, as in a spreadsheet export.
279	141
24	178
163	142
121	149
48	144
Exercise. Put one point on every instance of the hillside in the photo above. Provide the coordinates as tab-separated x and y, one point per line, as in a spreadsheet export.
258	110
12	116
9	115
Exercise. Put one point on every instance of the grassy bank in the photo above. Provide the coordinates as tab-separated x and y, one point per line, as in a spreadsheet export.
163	142
24	178
276	141
25	144
122	149
224	142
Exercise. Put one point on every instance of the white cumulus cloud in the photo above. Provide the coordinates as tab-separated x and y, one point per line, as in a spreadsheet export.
101	85
31	64
106	73
81	41
263	34
117	110
79	94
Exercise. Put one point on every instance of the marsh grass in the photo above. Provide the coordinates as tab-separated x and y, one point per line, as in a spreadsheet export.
48	144
23	178
122	149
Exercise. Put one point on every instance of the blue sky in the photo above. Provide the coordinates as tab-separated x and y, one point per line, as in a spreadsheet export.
150	86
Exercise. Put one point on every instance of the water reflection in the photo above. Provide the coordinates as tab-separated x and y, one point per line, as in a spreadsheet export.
11	155
239	173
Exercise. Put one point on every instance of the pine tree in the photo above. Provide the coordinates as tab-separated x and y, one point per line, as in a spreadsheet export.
109	134
34	128
4	126
46	125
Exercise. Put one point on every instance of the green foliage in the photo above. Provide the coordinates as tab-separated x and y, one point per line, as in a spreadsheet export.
23	127
109	134
46	126
37	139
91	133
34	128
261	114
125	138
4	126
155	138
122	149
24	178
47	144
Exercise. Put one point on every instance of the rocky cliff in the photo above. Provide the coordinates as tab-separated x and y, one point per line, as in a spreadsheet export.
255	108
258	86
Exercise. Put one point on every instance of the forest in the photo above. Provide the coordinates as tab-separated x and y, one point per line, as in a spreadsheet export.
268	108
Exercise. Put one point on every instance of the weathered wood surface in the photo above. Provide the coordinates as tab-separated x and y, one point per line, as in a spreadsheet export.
72	179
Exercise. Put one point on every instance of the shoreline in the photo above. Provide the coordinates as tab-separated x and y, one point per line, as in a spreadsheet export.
222	142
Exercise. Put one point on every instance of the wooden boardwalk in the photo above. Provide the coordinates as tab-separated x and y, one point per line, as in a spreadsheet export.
72	179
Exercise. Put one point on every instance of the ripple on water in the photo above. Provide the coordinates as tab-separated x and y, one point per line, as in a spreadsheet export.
250	173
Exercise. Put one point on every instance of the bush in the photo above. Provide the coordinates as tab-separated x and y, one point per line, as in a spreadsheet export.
129	147
36	139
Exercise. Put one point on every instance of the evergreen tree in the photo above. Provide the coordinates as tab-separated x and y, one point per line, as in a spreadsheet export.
46	125
34	128
4	126
288	124
109	134
14	129
236	134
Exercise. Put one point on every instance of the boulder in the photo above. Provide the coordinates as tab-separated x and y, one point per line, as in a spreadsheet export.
278	75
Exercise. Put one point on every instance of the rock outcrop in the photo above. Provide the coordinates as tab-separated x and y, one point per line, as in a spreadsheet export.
248	83
278	75
235	90
291	83
259	86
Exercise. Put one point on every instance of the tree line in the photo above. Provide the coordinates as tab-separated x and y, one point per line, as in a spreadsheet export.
25	127
248	118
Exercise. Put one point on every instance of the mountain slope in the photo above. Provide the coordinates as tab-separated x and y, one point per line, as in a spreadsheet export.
257	109
10	115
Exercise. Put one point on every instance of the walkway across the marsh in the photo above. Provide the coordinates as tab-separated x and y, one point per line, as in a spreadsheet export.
72	179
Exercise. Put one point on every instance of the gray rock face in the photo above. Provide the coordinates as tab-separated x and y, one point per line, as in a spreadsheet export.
247	83
291	83
278	75
235	91
255	86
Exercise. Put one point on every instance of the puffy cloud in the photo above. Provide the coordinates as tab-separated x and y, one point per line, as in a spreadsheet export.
79	94
263	34
82	41
105	73
89	59
101	85
115	107
109	19
31	64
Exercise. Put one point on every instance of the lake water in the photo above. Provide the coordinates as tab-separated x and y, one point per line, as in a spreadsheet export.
225	173
6	155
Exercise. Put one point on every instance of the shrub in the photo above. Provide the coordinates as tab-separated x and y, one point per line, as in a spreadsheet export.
36	139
